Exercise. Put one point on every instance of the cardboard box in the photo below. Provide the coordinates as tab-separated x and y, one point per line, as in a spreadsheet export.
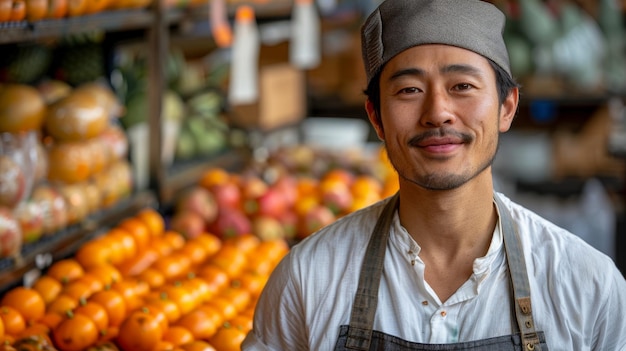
282	99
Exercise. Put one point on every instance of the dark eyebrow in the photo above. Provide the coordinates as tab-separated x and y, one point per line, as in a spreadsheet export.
407	72
456	68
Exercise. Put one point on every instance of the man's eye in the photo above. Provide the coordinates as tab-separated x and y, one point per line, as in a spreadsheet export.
411	90
463	86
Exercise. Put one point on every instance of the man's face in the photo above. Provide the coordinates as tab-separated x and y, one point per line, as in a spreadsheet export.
440	115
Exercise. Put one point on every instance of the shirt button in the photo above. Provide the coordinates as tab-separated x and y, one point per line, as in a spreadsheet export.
425	303
443	313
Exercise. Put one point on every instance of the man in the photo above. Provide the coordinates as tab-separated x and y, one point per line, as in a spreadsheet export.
447	263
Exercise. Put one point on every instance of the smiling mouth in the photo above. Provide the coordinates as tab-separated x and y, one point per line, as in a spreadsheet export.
439	139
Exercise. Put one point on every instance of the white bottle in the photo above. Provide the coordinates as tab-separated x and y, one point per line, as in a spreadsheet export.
244	69
304	47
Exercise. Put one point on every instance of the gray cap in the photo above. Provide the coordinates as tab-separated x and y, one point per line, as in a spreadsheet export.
397	25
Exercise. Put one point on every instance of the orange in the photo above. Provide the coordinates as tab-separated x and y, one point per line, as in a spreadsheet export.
239	297
158	314
57	8
36	9
246	242
201	323
195	251
141	331
231	259
93	253
168	306
252	282
75	333
96	312
153	277
273	250
242	322
178	335
48	287
132	291
226	308
62	304
28	302
174	266
106	273
122	243
153	219
200	288
12	320
198	345
90	282
365	185
228	338
35	330
51	319
214	275
114	304
77	290
211	243
214	176
174	239
184	299
66	270
138	229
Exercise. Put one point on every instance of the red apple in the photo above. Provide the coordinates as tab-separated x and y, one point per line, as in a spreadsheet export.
230	222
199	200
287	185
317	218
337	198
227	195
187	223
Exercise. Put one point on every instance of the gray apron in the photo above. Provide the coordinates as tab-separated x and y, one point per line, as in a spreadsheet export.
360	336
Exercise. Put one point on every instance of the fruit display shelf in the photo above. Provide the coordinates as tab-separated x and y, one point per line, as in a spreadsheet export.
37	255
115	20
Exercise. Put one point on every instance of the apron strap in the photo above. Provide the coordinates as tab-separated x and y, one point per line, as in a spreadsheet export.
519	278
366	298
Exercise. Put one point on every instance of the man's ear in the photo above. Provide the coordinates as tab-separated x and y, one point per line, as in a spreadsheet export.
374	118
509	110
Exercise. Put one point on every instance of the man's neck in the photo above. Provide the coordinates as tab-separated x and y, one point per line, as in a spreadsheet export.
452	228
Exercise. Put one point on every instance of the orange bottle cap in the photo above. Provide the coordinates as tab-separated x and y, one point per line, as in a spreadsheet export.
244	13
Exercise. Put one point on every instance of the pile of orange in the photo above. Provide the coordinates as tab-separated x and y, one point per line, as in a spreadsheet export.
142	287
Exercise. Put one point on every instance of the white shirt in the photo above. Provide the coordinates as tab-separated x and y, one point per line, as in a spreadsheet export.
578	294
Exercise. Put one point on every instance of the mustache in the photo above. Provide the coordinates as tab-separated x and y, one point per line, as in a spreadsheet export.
440	133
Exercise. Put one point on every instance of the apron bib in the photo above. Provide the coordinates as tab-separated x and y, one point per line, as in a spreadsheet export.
360	336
